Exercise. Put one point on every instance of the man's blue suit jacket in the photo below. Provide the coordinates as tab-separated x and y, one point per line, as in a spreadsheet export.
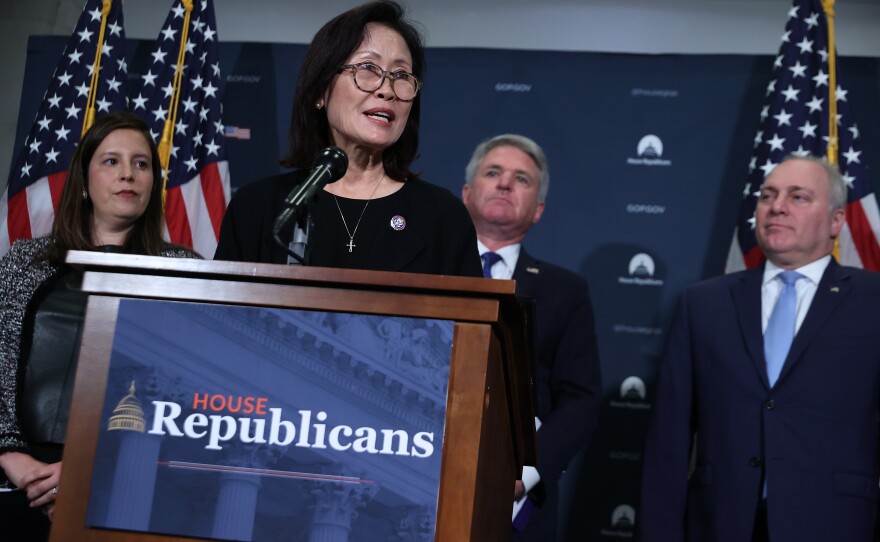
814	434
569	386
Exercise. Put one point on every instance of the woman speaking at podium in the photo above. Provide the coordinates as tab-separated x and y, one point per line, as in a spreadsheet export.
111	202
358	89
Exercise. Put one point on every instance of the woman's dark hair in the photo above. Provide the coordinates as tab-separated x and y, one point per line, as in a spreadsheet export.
72	227
331	48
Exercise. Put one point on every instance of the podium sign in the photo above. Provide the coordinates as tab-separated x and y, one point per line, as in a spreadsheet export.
229	400
237	423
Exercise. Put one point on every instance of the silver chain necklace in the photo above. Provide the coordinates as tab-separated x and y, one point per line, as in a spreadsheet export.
350	233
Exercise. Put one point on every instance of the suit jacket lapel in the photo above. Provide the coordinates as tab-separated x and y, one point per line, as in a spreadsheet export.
746	293
526	273
832	289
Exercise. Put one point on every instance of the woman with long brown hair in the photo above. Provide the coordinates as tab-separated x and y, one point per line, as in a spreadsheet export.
111	202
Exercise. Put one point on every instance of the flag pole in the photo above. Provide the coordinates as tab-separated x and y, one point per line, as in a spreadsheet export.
168	130
833	143
89	116
831	148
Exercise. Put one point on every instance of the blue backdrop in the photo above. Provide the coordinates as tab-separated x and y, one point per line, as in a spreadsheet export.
639	217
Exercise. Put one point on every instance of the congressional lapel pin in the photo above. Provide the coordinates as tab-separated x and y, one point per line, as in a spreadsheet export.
398	223
533	270
835	289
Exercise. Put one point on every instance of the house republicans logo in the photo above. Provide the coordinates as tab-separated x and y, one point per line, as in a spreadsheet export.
623	522
623	517
641	265
650	146
650	151
633	389
641	272
633	393
215	419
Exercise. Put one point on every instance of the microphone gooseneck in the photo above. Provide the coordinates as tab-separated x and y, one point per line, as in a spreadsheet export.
329	165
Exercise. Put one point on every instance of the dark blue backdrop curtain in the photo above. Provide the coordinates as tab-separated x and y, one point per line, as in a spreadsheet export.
639	217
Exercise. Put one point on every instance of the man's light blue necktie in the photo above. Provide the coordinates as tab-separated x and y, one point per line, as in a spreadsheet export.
780	328
489	259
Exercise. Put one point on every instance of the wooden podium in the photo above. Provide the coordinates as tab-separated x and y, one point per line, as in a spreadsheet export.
489	431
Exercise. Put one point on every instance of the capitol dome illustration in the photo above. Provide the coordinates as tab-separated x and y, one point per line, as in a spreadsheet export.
128	414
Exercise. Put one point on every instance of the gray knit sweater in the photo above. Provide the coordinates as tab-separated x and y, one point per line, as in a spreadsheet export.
21	275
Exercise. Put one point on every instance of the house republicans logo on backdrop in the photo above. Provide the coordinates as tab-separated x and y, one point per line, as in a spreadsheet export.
623	522
641	272
633	389
650	151
633	393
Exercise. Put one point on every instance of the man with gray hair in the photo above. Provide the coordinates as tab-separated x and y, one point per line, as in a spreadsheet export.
506	186
767	418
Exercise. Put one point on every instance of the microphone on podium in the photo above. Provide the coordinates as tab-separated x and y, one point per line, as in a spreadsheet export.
329	165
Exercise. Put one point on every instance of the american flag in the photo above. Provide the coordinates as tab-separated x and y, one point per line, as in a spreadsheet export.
197	186
237	132
37	177
794	120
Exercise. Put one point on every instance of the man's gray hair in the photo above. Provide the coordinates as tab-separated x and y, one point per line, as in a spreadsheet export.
835	179
522	143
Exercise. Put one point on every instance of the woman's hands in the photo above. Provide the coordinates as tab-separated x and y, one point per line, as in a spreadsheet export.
41	485
37	479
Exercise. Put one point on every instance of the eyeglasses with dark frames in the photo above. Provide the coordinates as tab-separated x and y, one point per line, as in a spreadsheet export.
368	77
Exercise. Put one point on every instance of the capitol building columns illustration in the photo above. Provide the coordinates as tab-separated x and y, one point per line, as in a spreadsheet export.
416	524
336	507
237	501
131	498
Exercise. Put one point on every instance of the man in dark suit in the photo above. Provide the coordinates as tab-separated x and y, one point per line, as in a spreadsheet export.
772	378
507	182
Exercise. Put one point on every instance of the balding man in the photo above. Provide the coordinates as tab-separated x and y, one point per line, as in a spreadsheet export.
772	378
